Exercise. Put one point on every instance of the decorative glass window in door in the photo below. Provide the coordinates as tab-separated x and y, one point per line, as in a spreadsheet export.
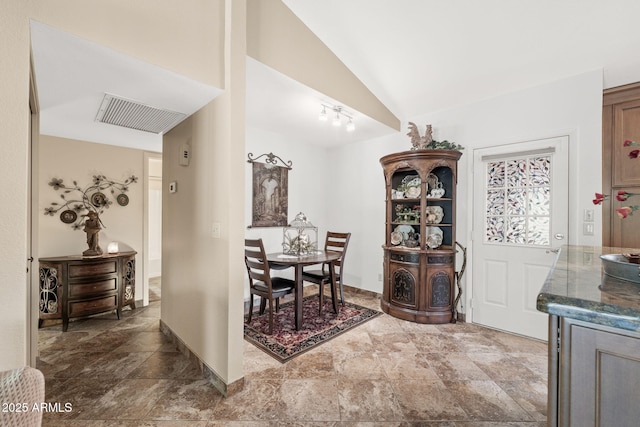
519	201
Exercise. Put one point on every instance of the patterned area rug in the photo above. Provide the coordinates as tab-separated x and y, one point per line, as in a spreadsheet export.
286	343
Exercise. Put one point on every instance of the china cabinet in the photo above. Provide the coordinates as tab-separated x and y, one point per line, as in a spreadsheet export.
420	230
76	286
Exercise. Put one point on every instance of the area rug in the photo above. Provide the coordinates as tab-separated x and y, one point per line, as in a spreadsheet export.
286	343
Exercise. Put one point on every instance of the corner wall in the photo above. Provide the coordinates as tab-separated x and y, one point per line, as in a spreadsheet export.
202	275
308	190
570	106
14	170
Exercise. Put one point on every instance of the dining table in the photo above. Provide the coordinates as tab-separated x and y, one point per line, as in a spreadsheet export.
279	259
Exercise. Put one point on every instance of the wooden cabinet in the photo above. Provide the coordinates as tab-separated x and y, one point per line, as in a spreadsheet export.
75	286
419	249
596	381
620	164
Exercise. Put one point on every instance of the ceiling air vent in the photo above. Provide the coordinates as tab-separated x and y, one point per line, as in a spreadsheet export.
133	115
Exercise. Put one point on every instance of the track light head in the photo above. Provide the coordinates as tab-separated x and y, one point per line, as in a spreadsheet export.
323	114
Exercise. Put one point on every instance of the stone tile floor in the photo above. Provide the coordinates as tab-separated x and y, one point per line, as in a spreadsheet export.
386	372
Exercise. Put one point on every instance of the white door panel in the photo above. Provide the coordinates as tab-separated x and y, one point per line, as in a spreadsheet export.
520	214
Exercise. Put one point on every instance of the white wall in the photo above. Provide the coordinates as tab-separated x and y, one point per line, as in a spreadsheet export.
71	160
309	191
571	106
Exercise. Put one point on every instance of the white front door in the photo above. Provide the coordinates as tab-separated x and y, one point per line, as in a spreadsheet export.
521	200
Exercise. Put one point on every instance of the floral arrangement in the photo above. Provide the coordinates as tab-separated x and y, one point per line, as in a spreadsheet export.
298	245
78	202
622	196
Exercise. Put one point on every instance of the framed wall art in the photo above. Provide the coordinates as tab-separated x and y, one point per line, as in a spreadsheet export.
270	196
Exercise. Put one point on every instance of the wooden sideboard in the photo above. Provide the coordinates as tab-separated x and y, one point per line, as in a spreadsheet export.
77	286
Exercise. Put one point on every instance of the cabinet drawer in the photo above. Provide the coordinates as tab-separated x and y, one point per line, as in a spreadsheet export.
411	258
80	289
93	306
83	270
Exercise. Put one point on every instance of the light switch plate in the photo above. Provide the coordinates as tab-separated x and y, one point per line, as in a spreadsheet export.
588	215
215	230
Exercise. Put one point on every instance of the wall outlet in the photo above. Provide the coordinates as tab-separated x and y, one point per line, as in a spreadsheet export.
587	228
380	277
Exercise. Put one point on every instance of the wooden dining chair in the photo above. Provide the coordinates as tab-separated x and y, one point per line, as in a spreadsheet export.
260	281
337	242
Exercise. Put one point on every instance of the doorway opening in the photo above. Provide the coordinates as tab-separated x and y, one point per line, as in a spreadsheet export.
153	228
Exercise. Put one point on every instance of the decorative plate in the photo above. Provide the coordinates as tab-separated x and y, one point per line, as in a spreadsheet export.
405	230
98	199
68	216
434	214
412	192
122	199
434	237
411	181
396	237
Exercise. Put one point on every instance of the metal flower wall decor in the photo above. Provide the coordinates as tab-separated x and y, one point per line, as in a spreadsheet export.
79	203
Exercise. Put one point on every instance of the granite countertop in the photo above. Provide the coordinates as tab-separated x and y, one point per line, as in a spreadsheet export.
577	288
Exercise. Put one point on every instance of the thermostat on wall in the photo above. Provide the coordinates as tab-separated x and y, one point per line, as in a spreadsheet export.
185	154
173	187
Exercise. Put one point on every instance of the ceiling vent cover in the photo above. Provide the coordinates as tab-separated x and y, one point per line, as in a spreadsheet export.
133	115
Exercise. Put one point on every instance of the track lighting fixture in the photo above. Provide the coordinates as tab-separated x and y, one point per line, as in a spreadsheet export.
338	115
323	114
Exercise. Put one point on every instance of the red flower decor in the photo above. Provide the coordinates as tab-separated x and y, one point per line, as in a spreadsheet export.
600	198
625	211
623	195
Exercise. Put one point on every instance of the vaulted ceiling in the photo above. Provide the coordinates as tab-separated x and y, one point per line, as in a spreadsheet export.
420	56
416	56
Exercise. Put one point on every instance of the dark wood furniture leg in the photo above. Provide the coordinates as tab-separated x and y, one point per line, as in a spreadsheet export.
334	298
298	296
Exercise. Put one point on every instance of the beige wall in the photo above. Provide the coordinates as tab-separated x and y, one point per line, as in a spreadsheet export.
203	276
14	136
277	38
181	36
71	160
